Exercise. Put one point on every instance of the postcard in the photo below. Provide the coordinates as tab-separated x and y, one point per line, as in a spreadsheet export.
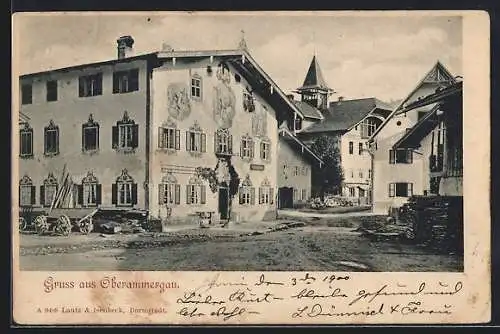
298	167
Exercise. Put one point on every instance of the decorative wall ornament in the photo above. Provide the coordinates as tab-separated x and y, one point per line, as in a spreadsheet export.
224	105
169	123
169	178
195	179
248	100
124	177
91	122
259	122
222	172
223	73
246	182
25	180
265	182
50	180
90	178
125	119
179	104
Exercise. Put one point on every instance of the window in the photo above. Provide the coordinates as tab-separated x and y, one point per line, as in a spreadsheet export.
360	148
401	156
51	90
360	174
124	191
89	192
265	149
195	191
248	101
246	148
125	81
26	141
26	93
296	171
304	194
196	86
351	147
298	124
352	192
223	142
26	191
90	85
295	194
247	192
368	127
400	189
169	136
90	135
169	191
48	190
196	140
125	135
51	139
266	193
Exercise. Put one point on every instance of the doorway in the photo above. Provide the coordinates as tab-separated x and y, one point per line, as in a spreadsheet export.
285	196
224	202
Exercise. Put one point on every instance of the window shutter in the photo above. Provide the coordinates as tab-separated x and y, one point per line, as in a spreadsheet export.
81	89
251	148
240	193
83	137
98	195
177	194
135	135
79	188
392	189
134	193
161	143
114	194
262	150
161	194
97	137
410	189
33	194
42	195
203	190
215	142
409	156
252	196
134	80
260	195
230	144
392	156
177	139
203	143
45	141
271	195
241	149
188	141
114	137
98	84
188	198
115	83
57	140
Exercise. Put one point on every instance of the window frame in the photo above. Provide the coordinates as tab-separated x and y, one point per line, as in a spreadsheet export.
51	128
90	85
265	149
196	140
49	183
127	125
394	192
246	192
394	158
26	130
195	192
89	183
51	91
124	184
196	78
26	184
90	125
223	142
169	191
351	148
247	148
128	77
25	97
266	193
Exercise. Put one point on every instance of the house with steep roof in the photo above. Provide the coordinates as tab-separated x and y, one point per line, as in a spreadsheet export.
171	132
349	122
397	170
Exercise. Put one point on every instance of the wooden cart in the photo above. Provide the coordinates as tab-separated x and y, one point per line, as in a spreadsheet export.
61	221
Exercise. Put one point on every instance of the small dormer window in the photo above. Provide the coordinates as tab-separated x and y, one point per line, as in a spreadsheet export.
298	124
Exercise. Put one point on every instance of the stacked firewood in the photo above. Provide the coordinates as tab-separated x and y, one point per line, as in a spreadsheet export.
435	221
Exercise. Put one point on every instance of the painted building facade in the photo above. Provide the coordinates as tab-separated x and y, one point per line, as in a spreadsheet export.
171	132
399	173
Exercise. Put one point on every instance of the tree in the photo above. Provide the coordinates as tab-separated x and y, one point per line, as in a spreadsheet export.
328	178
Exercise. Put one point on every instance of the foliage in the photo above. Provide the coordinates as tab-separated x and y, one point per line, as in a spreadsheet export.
210	175
330	177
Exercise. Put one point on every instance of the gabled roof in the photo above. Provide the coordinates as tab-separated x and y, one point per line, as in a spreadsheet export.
314	78
342	115
424	126
437	72
240	59
295	143
308	110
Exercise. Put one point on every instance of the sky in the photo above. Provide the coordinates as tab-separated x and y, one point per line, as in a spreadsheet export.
360	55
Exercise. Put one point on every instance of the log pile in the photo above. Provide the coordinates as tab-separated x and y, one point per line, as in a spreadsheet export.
64	195
435	221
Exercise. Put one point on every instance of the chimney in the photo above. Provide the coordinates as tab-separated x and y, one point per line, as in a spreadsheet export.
165	47
341	98
125	46
290	97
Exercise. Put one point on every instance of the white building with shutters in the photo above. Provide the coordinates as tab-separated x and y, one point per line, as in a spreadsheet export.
171	132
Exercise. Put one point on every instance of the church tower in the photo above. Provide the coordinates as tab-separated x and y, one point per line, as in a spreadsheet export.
314	90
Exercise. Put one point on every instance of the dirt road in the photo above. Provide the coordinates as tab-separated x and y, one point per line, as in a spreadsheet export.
309	248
